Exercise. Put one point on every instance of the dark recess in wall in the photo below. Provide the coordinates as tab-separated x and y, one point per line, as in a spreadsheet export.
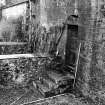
71	56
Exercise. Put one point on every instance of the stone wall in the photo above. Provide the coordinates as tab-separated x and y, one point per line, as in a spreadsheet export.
97	67
85	38
91	75
56	11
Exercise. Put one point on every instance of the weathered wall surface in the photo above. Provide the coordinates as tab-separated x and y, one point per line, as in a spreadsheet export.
85	38
91	70
97	68
56	11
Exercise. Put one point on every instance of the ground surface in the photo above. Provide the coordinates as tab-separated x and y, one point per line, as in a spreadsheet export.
18	96
21	97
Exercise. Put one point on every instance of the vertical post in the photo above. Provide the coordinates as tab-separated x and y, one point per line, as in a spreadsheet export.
76	69
30	24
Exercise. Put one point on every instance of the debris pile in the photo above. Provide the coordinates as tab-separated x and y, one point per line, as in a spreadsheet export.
15	72
24	72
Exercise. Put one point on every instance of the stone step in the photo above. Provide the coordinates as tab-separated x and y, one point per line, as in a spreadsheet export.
57	77
55	83
49	83
43	89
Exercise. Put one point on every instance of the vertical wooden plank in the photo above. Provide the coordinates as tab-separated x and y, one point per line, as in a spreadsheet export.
78	55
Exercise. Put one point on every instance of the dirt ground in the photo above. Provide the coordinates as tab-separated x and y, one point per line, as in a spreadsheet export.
21	97
18	96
